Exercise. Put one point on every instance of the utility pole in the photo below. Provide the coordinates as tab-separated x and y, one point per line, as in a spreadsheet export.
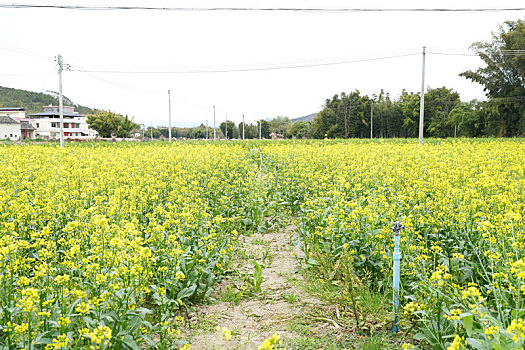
346	124
206	129
243	126
226	127
60	100
169	122
372	120
422	101
214	135
151	130
260	129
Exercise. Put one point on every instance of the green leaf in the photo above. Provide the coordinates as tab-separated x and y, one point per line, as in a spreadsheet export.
476	344
187	292
44	338
149	341
420	336
129	341
468	321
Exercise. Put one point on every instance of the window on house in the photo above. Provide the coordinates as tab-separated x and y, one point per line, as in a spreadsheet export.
37	125
11	135
53	125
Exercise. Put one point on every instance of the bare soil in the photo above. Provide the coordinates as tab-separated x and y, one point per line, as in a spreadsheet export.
271	311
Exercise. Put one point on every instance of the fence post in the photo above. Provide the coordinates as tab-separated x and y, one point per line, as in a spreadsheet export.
397	262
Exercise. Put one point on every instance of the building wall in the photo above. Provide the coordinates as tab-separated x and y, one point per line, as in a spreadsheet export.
28	134
50	128
13	114
56	109
10	132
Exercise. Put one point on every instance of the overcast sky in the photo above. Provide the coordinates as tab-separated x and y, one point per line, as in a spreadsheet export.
224	40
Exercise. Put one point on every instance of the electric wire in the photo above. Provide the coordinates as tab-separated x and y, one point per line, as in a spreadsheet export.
241	69
243	9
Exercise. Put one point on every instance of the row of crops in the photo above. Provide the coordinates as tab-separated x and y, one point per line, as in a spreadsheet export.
102	246
463	247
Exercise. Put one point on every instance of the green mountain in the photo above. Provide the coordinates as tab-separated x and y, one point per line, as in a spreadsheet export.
34	102
306	118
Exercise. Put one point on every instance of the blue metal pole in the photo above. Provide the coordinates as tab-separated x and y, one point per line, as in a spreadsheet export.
397	262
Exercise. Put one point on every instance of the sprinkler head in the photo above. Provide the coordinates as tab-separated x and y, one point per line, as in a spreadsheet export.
397	227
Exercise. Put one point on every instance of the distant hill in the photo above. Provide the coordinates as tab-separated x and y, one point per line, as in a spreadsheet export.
34	102
306	118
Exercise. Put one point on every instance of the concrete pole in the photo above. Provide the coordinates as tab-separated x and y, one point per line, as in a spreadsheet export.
226	127
169	122
372	120
260	129
422	102
243	126
60	100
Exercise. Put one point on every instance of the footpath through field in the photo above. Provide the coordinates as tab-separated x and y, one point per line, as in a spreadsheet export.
280	307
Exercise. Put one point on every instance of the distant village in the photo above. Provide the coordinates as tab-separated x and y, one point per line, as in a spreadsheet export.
15	125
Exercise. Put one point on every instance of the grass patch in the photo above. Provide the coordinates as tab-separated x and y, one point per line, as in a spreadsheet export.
335	341
290	297
261	241
372	308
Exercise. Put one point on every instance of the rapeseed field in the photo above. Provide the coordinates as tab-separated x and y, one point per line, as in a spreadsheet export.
463	248
100	246
105	245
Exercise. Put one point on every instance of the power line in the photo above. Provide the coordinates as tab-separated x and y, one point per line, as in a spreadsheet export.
122	86
500	52
452	54
266	9
25	74
262	66
241	69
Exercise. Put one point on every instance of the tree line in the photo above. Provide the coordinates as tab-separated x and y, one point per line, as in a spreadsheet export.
224	130
359	116
501	115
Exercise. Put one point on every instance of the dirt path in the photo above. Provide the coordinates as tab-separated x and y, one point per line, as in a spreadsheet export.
253	319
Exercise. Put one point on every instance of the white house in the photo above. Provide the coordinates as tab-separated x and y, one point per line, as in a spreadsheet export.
13	112
9	128
47	124
27	128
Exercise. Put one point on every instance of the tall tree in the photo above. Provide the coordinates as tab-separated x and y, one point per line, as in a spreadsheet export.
465	120
300	130
408	106
280	125
438	104
109	124
503	78
264	129
229	129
